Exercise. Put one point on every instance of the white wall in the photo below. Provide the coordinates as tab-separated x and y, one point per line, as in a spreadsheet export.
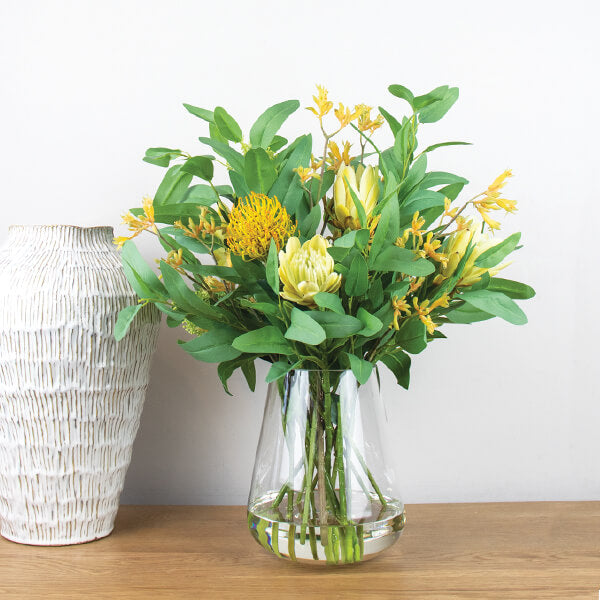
495	412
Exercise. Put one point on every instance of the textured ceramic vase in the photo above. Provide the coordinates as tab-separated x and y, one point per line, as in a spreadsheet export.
71	396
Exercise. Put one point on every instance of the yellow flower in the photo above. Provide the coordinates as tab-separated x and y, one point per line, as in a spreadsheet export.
175	258
336	158
447	211
306	173
400	305
491	200
429	250
138	224
456	248
424	310
254	222
323	104
345	116
365	184
365	123
307	269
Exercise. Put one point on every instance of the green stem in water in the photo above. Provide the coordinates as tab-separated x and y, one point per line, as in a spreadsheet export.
308	491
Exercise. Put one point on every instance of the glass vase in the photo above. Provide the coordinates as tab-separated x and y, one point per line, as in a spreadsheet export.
322	491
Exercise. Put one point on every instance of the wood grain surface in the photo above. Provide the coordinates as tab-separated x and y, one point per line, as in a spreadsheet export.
534	550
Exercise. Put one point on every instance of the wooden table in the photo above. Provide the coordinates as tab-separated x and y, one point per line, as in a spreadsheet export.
485	551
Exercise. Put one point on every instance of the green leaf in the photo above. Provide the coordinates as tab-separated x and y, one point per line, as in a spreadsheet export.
173	186
249	371
436	110
413	336
277	143
397	289
387	228
161	156
259	171
496	304
330	301
357	279
279	369
399	364
426	99
337	325
391	120
435	146
360	209
264	307
213	346
304	329
362	369
132	258
227	125
272	268
215	134
393	258
496	254
239	184
401	92
309	225
233	157
466	314
452	191
266	340
371	324
512	289
248	270
202	113
226	369
356	237
376	293
124	320
268	124
185	299
200	166
214	271
287	187
434	178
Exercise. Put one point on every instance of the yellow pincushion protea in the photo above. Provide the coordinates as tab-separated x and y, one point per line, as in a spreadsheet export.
254	222
305	269
457	246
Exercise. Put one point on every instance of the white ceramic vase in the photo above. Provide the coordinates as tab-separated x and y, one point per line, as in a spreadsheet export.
71	397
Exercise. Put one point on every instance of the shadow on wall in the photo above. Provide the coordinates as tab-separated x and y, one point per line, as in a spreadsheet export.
195	444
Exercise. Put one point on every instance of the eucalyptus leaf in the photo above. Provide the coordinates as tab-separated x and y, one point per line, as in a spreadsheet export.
227	125
279	369
304	329
268	124
202	113
512	289
259	171
124	320
266	340
371	324
329	301
213	346
497	304
403	260
399	364
496	254
173	186
362	369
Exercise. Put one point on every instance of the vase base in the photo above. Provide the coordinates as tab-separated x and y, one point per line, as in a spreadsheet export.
326	544
56	542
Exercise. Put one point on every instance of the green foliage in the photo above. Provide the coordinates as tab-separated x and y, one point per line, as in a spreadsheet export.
124	320
304	329
401	272
268	124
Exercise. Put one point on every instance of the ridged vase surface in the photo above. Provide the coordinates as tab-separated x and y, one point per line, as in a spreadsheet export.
71	397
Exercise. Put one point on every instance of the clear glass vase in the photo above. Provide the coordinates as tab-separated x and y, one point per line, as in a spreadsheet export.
322	491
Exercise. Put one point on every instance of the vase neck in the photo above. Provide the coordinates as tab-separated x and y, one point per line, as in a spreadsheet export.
60	236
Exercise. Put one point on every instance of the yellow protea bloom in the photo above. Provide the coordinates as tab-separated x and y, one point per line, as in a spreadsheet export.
456	248
138	224
305	269
254	222
365	184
